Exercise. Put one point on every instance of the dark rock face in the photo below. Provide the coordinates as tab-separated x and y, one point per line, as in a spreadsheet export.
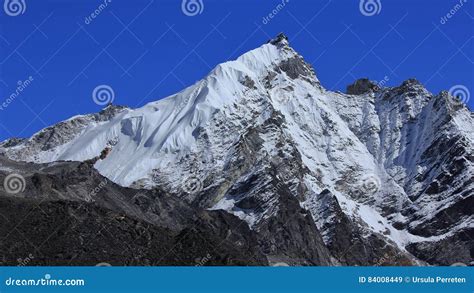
442	221
348	244
362	86
248	82
109	112
292	235
54	236
70	215
458	248
289	235
279	39
295	67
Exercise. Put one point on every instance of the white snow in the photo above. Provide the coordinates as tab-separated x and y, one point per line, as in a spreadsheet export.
342	139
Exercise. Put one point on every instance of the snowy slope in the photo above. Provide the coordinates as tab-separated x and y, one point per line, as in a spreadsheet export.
262	126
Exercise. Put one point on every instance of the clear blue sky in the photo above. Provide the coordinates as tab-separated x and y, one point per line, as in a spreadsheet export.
146	50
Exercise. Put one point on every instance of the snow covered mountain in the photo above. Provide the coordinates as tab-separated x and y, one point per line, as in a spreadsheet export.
371	177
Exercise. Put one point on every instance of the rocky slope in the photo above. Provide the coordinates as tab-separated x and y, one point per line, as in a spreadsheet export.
373	177
68	214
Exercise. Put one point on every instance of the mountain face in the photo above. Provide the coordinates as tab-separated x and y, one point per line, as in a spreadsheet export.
60	220
261	150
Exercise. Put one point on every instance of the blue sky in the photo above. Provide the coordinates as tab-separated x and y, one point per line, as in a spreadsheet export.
148	49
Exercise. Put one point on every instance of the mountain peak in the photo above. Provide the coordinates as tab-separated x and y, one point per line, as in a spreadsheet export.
280	39
260	138
362	86
412	81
